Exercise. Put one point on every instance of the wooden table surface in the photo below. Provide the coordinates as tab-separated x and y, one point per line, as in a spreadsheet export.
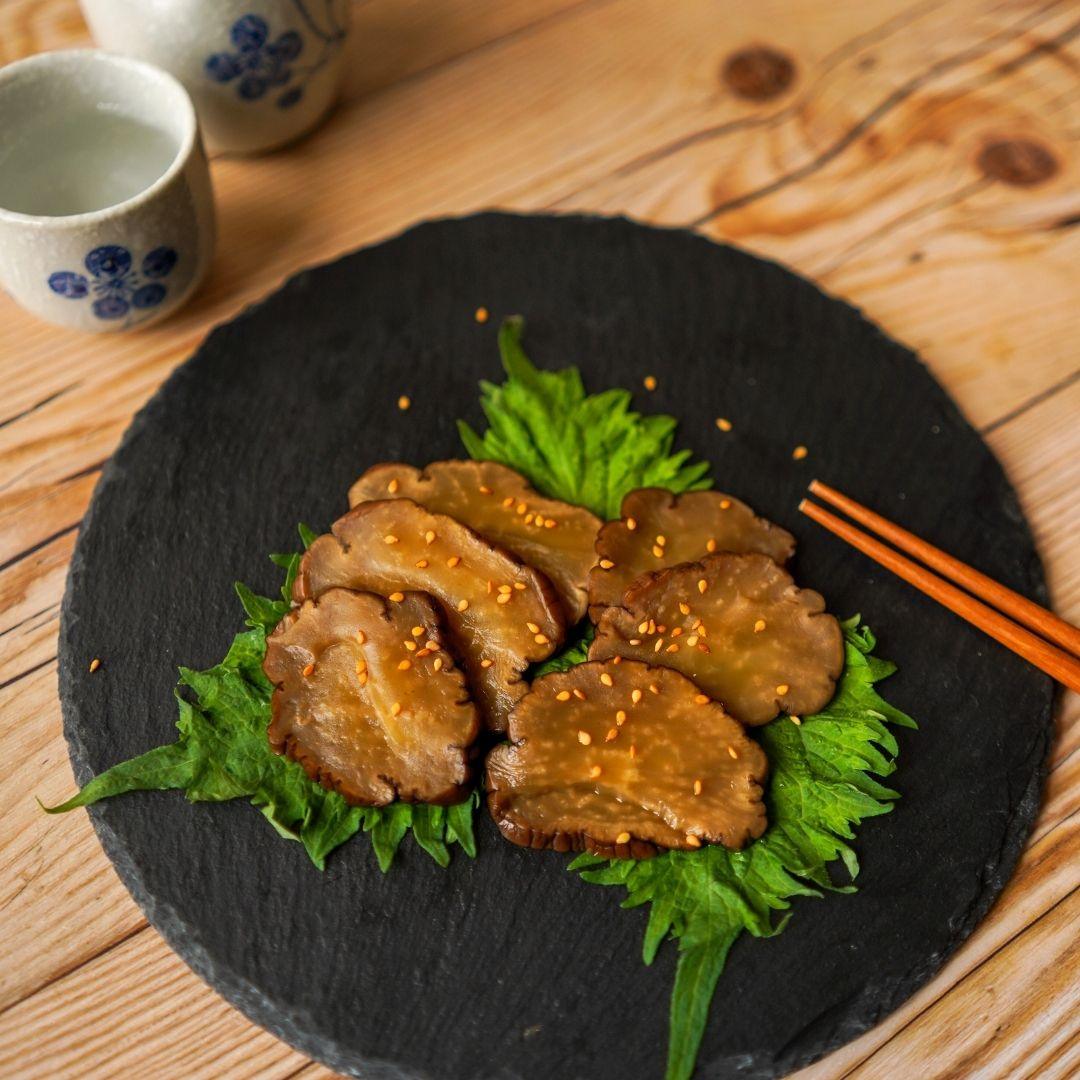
918	158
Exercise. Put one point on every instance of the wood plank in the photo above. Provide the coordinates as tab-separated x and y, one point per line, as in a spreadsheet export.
61	900
137	1011
902	221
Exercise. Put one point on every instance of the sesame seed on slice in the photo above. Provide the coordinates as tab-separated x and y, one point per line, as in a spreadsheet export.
403	402
481	314
725	504
529	518
563	695
521	507
504	588
486	663
697	787
423	652
684	608
759	625
622	838
485	490
782	689
432	644
94	665
393	485
799	453
504	598
606	679
463	605
421	564
579	694
692	640
429	536
417	631
702	647
702	585
308	669
453	561
634	641
658	551
620	717
508	501
643	627
361	665
701	699
631	523
550	523
661	540
533	628
595	771
795	720
405	664
673	647
661	629
362	677
541	639
710	545
360	636
606	564
396	597
659	644
411	646
677	632
613	733
732	751
653	688
616	659
635	695
389	538
395	709
436	664
584	738
520	586
692	840
723	423
649	382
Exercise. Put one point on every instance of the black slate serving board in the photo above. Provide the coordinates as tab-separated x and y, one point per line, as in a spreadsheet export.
508	966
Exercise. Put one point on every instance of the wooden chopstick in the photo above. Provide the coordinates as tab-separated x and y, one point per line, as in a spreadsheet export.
1055	662
1043	622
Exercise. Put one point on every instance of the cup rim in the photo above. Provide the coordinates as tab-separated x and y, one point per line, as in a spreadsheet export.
183	153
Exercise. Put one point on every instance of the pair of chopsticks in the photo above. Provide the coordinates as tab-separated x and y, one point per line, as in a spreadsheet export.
1061	663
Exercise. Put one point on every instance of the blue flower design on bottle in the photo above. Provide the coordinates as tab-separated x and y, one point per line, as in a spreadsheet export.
118	289
259	64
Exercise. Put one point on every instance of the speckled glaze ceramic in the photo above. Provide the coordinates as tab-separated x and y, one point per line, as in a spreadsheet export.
261	72
127	264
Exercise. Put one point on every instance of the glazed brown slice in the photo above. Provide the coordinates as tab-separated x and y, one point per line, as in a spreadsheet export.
498	503
622	759
739	627
502	614
658	529
368	699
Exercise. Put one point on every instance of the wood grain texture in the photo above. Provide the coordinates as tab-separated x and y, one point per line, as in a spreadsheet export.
869	172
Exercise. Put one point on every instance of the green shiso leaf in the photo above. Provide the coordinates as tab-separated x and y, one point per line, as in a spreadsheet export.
822	785
222	753
588	449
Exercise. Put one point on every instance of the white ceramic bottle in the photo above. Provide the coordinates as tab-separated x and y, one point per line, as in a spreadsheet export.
261	72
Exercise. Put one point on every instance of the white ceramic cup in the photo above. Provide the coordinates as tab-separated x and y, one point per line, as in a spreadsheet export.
261	72
106	209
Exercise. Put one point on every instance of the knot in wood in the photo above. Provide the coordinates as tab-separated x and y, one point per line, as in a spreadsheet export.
1021	162
758	72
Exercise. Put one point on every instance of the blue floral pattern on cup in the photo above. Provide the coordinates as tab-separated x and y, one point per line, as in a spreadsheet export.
259	64
118	289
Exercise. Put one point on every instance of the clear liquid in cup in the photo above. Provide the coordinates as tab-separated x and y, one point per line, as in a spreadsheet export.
79	162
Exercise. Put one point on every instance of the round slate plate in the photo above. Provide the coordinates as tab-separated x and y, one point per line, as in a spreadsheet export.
508	966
